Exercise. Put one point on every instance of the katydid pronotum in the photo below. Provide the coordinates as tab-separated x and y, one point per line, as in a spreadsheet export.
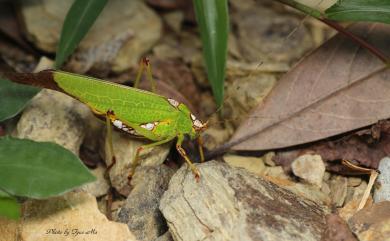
131	110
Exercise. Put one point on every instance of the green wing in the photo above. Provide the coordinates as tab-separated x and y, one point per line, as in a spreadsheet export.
129	104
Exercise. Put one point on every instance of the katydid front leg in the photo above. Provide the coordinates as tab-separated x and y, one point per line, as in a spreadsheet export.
179	148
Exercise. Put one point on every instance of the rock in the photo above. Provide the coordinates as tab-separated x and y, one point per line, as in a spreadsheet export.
254	165
99	187
213	137
356	193
276	171
354	181
382	191
232	204
246	92
268	159
141	212
338	187
73	216
167	51
307	191
353	200
174	20
327	176
337	229
349	209
8	229
125	148
372	223
191	51
264	35
325	188
53	116
165	237
310	168
133	30
233	48
100	57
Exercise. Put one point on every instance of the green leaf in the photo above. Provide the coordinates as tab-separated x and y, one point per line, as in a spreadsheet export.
14	98
9	208
79	19
360	10
213	20
39	169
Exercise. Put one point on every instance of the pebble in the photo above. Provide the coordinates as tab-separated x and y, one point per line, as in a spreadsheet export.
251	164
382	190
310	168
338	187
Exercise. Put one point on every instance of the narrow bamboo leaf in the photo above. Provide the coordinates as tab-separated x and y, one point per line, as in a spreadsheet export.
360	10
81	15
14	98
39	169
213	20
9	208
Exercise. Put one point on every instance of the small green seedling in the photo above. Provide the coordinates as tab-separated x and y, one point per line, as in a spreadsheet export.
131	110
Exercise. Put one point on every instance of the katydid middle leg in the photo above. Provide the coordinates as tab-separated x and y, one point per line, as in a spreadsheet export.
135	161
109	137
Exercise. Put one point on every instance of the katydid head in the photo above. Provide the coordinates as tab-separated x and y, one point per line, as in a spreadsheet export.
193	125
197	126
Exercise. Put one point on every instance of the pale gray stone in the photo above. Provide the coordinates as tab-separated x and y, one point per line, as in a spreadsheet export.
232	204
382	190
310	168
141	212
123	32
55	117
99	187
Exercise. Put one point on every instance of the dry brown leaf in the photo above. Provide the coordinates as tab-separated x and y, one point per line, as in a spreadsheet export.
338	88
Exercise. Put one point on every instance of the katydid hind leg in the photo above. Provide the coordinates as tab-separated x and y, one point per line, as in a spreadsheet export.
109	138
149	74
145	63
136	160
183	153
139	74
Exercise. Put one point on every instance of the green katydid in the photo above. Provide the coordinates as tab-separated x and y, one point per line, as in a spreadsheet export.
134	111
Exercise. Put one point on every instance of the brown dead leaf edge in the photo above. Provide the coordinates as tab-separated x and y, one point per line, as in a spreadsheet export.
338	88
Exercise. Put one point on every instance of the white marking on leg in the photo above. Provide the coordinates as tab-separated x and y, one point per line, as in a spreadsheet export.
118	124
193	117
197	123
148	126
173	102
